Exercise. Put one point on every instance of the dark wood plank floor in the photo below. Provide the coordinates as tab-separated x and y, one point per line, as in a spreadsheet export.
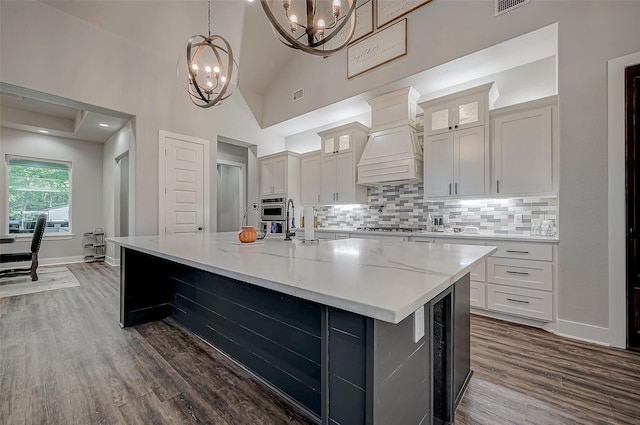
65	360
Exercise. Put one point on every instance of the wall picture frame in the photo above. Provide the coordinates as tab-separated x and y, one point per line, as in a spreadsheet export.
377	49
390	10
364	25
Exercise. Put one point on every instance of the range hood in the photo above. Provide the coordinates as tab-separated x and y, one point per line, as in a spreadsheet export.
393	154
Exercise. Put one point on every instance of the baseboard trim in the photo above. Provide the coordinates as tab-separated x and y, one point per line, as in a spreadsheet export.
583	332
45	262
115	262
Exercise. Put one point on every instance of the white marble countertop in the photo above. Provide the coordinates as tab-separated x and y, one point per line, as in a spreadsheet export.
490	236
384	280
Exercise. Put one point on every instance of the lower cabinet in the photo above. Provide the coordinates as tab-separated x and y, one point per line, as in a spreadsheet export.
528	303
517	280
478	294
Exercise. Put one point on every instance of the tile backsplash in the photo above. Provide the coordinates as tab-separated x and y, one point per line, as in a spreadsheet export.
403	206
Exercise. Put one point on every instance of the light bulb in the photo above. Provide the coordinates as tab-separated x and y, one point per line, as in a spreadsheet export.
216	70
223	79
194	66
207	68
336	8
209	83
320	31
294	21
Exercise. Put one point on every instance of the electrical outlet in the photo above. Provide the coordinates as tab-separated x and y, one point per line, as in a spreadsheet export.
445	219
517	219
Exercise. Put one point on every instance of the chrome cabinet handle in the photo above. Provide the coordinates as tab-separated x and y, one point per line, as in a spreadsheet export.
515	251
518	273
456	192
518	301
337	196
318	198
497	186
449	188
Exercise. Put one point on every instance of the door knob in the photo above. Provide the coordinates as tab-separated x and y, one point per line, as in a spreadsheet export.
199	228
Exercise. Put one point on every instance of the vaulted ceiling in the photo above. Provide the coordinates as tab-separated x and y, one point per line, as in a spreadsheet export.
165	26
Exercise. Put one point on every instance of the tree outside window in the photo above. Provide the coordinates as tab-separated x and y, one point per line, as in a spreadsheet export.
38	187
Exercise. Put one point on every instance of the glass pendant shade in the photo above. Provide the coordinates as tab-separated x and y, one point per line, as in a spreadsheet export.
317	27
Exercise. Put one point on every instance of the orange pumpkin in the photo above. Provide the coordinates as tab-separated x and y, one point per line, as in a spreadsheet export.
247	234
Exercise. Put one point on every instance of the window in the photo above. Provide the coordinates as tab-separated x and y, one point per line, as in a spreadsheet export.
38	187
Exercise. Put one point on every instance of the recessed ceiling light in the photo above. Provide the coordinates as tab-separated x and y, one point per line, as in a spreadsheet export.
43	131
103	125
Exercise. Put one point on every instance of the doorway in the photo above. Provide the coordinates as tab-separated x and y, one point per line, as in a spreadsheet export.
183	184
632	130
121	194
231	195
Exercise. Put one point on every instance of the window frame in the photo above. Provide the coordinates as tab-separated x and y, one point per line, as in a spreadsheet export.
5	193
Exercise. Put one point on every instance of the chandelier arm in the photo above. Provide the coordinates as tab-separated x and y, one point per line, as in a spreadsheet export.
292	42
189	64
349	17
225	84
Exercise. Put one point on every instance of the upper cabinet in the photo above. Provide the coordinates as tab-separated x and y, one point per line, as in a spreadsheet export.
525	148
341	148
280	175
310	178
458	111
456	145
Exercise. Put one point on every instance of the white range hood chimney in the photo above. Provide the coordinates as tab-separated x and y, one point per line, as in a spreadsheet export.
393	154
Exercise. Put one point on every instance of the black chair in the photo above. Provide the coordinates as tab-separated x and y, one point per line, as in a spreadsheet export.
26	256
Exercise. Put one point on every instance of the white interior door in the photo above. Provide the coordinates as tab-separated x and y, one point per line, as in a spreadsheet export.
184	184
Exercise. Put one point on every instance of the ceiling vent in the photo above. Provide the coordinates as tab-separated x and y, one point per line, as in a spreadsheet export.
298	94
502	6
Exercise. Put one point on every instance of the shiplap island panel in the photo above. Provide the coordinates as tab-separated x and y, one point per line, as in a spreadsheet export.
328	326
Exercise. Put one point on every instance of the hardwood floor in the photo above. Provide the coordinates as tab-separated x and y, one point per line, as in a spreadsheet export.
64	360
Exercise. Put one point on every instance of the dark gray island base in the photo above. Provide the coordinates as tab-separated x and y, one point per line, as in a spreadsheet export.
337	367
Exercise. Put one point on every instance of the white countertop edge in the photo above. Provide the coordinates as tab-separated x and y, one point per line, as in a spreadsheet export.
443	235
375	312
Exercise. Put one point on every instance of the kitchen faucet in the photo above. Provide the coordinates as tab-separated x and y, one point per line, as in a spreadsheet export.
287	232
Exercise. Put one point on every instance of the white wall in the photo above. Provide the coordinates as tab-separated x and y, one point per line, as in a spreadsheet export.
86	187
589	34
49	51
119	144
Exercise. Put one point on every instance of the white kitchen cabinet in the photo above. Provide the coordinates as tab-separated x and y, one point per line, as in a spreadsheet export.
456	150
273	176
458	111
280	176
525	151
340	153
457	164
310	165
517	281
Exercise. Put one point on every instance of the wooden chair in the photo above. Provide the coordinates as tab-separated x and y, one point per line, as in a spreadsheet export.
32	256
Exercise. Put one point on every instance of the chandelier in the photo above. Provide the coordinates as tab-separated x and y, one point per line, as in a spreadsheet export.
208	72
318	27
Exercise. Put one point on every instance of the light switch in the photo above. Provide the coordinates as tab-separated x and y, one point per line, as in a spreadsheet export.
418	324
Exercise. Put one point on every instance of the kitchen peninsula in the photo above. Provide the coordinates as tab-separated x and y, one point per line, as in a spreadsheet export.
350	331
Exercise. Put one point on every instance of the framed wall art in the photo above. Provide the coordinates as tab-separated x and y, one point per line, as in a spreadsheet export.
390	10
377	49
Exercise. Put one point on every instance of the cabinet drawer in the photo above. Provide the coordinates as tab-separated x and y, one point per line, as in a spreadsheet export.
523	250
478	294
522	302
479	272
522	273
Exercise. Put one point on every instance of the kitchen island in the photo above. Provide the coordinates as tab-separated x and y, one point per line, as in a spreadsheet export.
349	331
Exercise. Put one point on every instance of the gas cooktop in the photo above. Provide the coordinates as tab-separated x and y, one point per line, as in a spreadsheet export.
390	229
